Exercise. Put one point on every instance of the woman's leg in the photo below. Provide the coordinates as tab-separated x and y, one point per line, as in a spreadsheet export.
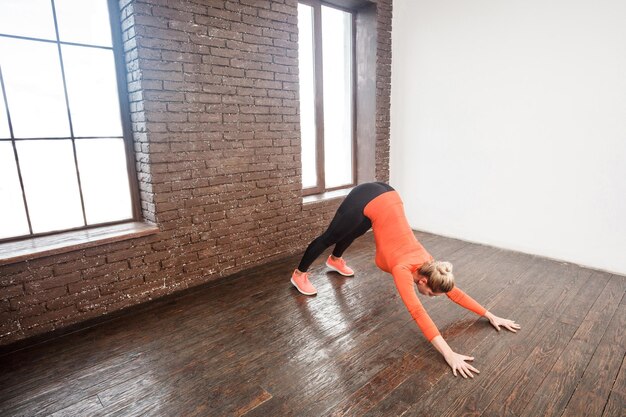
343	244
348	224
343	225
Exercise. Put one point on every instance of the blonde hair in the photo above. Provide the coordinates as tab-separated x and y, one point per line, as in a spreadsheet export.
439	274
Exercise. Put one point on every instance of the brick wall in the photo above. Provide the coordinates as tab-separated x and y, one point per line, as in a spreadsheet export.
214	107
383	89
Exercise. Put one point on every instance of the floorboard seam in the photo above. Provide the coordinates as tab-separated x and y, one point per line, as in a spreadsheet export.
614	382
592	355
99	400
566	345
329	409
540	338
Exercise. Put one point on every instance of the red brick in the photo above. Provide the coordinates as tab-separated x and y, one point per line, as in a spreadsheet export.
71	299
12	291
57	281
48	317
117	286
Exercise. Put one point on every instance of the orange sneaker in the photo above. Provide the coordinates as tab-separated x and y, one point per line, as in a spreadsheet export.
302	283
340	266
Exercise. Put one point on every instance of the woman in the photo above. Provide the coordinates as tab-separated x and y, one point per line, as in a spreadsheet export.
378	205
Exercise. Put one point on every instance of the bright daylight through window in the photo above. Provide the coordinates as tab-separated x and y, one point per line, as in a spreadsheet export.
62	153
326	51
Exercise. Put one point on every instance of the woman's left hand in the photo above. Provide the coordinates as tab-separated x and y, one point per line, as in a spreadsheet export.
498	321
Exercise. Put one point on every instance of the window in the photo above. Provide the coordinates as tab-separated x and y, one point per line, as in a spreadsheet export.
327	96
64	159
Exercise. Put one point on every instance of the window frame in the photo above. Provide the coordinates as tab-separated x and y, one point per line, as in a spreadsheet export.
127	136
318	68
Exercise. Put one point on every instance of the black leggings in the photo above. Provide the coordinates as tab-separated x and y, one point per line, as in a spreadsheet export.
348	224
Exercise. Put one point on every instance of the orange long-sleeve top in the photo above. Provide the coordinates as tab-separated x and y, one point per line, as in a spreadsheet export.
399	253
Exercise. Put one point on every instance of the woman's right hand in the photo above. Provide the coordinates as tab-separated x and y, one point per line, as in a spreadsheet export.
455	360
457	363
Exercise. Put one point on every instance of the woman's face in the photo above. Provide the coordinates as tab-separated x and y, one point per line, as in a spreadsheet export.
423	288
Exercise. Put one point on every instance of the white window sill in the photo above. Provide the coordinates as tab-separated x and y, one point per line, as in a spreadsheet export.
38	247
328	195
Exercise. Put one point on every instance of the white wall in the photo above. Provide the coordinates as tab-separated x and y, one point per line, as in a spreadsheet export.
508	124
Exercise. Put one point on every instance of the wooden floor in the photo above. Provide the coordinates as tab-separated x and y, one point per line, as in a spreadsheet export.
250	345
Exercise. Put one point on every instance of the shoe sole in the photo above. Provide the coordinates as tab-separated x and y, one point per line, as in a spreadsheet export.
303	292
338	271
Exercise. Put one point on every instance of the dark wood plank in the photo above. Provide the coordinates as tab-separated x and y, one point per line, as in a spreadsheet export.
556	389
617	399
519	388
504	361
235	398
251	345
86	407
379	386
514	391
593	390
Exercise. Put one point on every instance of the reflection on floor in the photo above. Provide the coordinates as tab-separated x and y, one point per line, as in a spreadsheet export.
251	345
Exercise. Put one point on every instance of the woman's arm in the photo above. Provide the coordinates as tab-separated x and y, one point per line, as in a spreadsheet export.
469	303
403	279
455	360
466	301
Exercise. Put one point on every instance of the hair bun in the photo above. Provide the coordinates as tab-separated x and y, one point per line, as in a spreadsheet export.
439	275
444	268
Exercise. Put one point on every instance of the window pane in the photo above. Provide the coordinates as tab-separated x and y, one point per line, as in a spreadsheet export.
337	59
104	179
307	95
34	87
84	21
50	184
5	133
13	220
31	18
92	91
